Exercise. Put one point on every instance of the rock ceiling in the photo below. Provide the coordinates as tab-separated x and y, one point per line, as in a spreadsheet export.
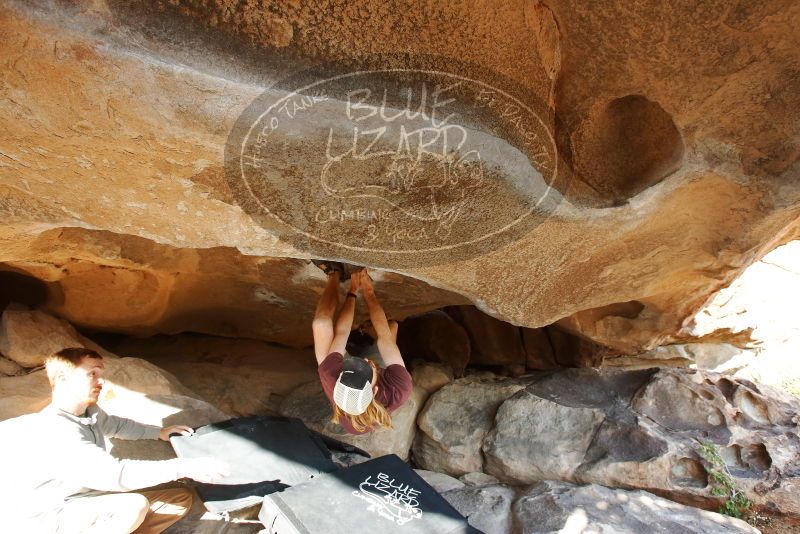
667	137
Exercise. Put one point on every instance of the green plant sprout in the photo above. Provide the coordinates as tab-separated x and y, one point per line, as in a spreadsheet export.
723	485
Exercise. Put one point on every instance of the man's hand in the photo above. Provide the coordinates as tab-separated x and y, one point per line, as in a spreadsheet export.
183	430
207	470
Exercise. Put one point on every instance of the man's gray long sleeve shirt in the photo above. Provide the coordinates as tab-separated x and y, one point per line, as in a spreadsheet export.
65	456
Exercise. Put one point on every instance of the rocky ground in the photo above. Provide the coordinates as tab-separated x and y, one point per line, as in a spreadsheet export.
535	453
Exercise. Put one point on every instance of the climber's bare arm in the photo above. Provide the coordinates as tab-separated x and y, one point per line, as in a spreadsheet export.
386	332
344	324
322	326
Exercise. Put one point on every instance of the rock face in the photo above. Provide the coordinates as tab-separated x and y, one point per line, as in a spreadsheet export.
757	307
158	288
672	126
309	403
463	335
241	377
29	336
430	376
487	508
133	388
519	447
23	394
664	136
492	341
633	429
435	337
551	507
10	368
138	389
455	421
478	479
719	357
439	481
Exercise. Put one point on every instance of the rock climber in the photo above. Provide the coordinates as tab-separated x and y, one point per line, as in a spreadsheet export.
364	388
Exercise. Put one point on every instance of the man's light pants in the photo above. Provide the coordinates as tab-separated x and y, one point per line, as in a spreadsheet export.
146	512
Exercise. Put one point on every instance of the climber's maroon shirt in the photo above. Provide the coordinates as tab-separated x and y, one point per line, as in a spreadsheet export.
394	385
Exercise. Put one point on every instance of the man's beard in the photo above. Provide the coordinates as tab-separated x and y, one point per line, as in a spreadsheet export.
93	397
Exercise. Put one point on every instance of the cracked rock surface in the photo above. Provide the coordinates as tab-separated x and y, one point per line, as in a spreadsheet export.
627	429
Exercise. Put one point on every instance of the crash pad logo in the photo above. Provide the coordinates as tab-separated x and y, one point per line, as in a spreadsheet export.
415	165
393	500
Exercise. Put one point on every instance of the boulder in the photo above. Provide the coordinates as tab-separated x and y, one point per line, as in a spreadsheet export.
23	394
551	507
455	421
146	402
10	368
720	357
430	376
132	386
138	376
439	481
29	336
309	403
168	403
220	291
756	311
478	479
629	429
519	448
239	376
487	508
664	356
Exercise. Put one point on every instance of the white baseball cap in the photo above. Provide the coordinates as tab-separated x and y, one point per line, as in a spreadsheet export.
353	390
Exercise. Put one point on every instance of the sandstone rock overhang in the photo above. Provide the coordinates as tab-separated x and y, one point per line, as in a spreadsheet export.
676	126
